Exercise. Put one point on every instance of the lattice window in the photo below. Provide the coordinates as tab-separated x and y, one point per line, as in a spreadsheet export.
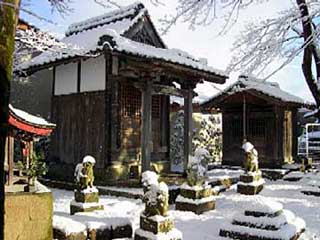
130	98
257	127
156	106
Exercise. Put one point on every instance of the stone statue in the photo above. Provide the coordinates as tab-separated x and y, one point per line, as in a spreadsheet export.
156	195
251	157
84	176
197	167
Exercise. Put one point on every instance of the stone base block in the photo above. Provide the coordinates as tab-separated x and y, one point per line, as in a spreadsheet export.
86	196
84	207
197	208
244	236
122	232
249	189
28	216
196	193
248	178
156	224
311	192
110	233
141	234
58	234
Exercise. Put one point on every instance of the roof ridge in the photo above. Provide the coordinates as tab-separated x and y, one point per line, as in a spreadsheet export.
261	86
129	11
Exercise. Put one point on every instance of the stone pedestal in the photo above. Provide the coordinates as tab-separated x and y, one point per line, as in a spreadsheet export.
86	200
197	199
157	228
250	183
263	220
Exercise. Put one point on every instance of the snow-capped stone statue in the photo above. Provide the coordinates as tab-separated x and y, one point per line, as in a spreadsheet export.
251	182
196	195
251	157
197	167
83	173
156	195
155	223
86	195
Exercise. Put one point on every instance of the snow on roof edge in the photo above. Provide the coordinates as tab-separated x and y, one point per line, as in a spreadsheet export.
115	15
29	118
260	86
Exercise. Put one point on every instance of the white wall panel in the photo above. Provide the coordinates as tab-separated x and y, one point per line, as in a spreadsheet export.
93	74
66	79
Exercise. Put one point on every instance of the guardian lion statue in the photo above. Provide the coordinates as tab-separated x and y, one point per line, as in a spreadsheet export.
83	173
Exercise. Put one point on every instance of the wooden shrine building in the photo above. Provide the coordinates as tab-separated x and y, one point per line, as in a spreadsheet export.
111	89
262	113
23	128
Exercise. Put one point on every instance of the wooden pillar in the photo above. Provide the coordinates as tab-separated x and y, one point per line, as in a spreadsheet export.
188	129
112	109
10	153
294	134
146	128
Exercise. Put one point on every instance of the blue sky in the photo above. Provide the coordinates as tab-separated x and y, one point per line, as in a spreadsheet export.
201	42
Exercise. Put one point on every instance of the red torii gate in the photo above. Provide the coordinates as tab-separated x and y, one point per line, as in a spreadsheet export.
26	127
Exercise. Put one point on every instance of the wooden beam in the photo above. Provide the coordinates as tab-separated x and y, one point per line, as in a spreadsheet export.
187	126
146	127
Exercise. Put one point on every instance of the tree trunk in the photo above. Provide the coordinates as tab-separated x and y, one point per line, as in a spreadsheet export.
310	51
8	22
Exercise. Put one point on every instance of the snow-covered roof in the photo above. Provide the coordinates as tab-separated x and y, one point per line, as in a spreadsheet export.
85	37
31	119
271	89
122	17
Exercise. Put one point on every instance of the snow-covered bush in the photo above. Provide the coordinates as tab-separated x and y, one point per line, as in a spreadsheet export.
36	168
208	136
156	195
176	140
197	167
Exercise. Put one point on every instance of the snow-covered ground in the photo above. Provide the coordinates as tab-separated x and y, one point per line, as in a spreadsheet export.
207	225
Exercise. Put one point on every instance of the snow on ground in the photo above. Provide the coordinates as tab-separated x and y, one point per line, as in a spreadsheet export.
207	225
217	174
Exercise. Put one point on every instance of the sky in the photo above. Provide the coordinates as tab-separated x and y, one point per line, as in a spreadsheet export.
202	42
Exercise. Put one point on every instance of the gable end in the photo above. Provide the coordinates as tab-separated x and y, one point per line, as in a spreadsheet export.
144	32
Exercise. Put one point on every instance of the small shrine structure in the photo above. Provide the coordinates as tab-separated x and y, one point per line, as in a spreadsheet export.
264	114
24	128
110	97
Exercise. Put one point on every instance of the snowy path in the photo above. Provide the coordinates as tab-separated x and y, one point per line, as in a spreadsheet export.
206	226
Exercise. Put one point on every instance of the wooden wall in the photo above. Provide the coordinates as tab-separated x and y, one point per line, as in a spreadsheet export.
80	120
270	127
260	132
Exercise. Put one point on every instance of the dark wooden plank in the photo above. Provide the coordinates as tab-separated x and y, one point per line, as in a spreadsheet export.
80	120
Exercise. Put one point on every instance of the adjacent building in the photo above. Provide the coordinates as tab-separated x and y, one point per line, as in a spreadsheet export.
263	114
